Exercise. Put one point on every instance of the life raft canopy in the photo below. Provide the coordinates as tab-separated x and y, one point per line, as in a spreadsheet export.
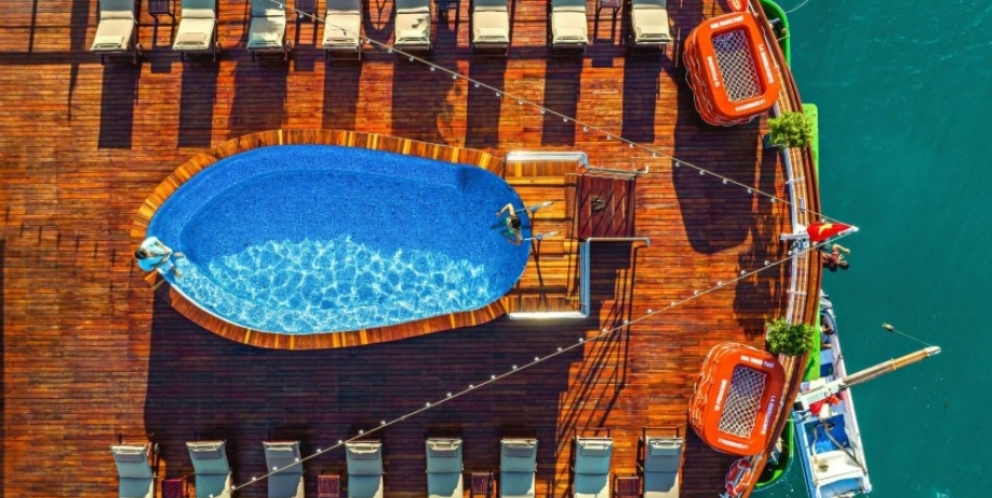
737	399
730	70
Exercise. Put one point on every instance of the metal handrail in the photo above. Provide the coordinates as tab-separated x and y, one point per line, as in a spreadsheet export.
584	289
580	157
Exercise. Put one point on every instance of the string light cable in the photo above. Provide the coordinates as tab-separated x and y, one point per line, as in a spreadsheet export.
494	378
586	127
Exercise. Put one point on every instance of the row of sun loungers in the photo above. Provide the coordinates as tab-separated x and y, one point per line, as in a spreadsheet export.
658	465
197	34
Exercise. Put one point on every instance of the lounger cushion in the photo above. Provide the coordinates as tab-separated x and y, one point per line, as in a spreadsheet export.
592	486
516	485
137	488
413	28
113	35
569	28
116	9
132	461
445	485
266	33
216	485
593	457
364	486
413	7
266	8
342	28
286	486
663	455
650	25
490	26
198	5
661	484
194	34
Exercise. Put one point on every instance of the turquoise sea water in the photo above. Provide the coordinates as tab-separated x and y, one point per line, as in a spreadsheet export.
905	91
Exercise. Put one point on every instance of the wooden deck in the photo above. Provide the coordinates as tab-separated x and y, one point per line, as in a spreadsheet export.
89	351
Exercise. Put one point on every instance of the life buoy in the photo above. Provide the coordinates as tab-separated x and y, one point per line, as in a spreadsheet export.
739	477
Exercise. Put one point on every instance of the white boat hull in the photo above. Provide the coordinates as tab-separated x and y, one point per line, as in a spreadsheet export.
828	440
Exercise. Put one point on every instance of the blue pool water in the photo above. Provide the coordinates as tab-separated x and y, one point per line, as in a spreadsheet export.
305	239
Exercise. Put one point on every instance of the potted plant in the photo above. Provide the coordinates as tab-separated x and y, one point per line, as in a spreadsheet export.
791	129
788	338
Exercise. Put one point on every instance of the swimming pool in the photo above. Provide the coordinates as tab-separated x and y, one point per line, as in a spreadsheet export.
302	239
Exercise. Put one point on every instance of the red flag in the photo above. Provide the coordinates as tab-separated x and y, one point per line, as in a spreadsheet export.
823	230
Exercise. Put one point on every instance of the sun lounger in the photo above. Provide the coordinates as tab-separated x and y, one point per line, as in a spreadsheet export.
444	468
213	472
135	470
490	26
517	468
569	27
413	25
116	32
197	34
267	32
592	467
343	29
364	469
283	458
649	24
661	461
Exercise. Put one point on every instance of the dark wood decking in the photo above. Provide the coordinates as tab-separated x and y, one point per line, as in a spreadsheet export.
89	351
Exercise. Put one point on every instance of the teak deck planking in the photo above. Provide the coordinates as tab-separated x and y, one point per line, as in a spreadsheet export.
89	351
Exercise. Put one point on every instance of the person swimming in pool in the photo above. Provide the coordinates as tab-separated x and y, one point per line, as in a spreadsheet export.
511	227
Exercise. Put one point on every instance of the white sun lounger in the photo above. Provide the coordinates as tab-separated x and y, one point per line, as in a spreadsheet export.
518	468
592	467
490	26
649	24
283	458
134	469
569	26
364	469
267	32
413	25
444	468
661	463
116	32
213	472
197	34
343	29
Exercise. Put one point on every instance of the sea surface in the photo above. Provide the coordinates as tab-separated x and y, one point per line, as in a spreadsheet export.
905	95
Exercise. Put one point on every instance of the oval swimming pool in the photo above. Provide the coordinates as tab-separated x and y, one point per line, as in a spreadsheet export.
300	239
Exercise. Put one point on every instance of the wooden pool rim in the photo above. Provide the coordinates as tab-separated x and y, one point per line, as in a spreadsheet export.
328	340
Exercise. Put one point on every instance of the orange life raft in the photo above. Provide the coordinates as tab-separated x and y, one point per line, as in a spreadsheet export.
736	399
730	70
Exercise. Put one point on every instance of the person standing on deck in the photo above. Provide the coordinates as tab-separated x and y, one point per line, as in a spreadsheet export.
154	255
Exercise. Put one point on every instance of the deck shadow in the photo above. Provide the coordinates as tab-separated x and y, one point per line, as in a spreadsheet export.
117	99
757	293
561	94
716	216
260	95
341	92
420	102
196	105
482	129
641	90
203	386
